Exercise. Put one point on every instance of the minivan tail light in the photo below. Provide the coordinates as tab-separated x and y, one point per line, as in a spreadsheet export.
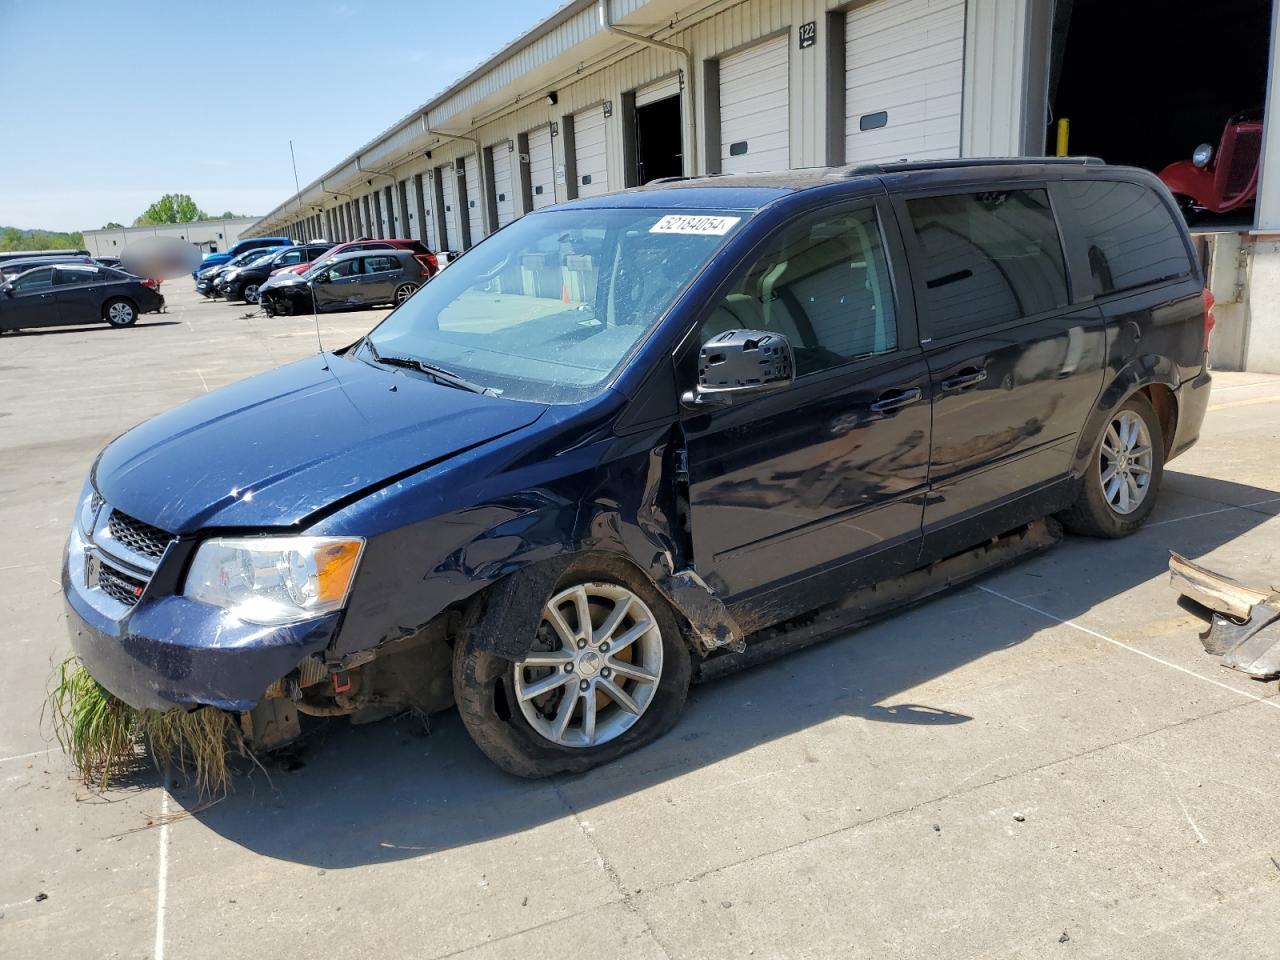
1209	320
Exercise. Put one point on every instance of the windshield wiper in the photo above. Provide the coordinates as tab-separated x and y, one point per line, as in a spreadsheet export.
438	374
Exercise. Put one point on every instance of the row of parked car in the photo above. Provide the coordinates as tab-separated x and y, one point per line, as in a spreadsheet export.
53	288
285	278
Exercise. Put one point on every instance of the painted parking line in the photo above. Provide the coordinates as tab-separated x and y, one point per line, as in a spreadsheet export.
1124	646
162	871
26	756
1210	513
1243	403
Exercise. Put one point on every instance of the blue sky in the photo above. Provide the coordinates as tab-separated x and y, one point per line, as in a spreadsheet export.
107	106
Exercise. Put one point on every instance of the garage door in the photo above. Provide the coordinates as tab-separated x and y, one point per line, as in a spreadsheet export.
590	148
670	87
503	196
474	198
542	168
904	72
450	191
754	109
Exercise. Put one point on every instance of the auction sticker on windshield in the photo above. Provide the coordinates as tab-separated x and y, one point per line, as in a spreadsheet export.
694	226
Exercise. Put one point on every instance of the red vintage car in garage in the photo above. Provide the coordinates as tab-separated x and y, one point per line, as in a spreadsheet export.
1218	181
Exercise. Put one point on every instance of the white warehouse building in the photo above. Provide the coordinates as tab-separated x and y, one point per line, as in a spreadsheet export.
209	235
607	94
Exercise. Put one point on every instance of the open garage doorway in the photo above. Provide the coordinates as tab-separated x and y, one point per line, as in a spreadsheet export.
658	150
654	116
1144	82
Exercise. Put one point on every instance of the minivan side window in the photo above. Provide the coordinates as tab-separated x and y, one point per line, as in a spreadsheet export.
1129	234
988	258
824	284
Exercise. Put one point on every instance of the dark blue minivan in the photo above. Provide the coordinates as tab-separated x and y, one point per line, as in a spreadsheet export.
626	441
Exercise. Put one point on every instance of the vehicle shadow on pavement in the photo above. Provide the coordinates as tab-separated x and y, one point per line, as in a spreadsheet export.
384	792
91	328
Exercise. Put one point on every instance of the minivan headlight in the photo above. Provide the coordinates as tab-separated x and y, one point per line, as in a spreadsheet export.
275	580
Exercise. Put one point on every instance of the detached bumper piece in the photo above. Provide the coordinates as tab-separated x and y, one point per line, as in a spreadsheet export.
1244	632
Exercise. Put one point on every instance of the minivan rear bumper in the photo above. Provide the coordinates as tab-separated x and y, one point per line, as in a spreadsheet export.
1193	401
174	652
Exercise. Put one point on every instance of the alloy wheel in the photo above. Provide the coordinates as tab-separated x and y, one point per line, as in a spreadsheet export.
404	292
1124	462
595	666
251	293
121	314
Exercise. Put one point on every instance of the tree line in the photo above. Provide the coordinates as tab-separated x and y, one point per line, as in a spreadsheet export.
171	208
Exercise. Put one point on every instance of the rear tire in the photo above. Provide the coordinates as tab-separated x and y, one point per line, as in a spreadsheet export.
120	312
403	293
1115	499
1191	212
501	719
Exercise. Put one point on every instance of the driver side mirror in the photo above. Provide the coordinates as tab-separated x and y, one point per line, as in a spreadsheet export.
322	278
738	364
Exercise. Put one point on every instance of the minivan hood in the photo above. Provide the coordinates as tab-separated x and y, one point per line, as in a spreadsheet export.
271	450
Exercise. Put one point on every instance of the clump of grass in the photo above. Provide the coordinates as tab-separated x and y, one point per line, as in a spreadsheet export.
96	730
105	738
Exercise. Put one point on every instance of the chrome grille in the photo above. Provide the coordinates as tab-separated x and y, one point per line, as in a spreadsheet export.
1243	162
142	538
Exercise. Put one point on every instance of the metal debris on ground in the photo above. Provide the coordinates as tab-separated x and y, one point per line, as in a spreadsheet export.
1244	629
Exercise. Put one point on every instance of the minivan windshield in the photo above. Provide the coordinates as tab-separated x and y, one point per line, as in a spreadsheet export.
548	308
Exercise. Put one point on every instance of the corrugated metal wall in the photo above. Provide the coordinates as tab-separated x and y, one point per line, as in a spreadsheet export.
993	112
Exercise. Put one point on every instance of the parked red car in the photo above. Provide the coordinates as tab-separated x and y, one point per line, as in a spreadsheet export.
419	249
1222	180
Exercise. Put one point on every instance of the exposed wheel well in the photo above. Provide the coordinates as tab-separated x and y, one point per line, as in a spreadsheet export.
1165	405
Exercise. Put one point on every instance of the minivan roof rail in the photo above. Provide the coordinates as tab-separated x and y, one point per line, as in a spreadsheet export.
901	166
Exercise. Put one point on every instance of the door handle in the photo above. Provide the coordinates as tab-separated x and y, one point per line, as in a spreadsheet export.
893	399
967	377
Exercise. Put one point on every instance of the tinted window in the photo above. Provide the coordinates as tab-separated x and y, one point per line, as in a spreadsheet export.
70	275
987	258
824	284
380	264
288	259
344	268
34	280
1129	235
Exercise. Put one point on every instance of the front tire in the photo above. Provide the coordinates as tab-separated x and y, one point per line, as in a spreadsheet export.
595	684
120	312
1126	465
250	293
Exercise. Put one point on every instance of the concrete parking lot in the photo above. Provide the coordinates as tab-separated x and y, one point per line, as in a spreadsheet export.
1041	764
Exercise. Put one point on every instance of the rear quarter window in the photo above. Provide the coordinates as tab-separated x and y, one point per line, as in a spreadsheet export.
1129	234
986	258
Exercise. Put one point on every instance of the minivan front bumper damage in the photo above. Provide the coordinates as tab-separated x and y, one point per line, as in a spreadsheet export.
1244	623
174	652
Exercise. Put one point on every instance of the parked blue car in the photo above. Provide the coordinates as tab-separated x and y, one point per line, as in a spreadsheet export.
636	440
237	248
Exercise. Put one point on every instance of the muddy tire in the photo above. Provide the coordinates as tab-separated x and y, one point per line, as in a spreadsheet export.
520	730
1121	483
